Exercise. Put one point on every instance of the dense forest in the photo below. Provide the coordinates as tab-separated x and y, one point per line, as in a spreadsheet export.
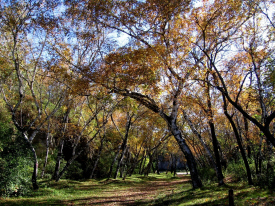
111	88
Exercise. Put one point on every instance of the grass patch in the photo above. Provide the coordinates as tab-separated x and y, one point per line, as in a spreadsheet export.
214	195
154	189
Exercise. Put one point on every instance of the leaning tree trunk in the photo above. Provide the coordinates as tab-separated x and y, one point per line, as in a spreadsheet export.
171	122
121	157
113	162
248	172
124	165
65	168
134	163
206	148
98	156
191	162
246	134
124	145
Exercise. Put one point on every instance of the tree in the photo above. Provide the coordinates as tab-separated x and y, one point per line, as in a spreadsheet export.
237	135
27	99
254	49
137	71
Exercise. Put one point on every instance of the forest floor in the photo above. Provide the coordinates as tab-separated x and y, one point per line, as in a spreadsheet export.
137	190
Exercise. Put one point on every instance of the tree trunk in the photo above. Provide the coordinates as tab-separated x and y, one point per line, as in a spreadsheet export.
45	162
67	165
120	159
196	181
98	157
61	144
124	165
149	165
248	144
58	160
124	144
248	172
135	163
35	169
197	153
209	113
171	122
47	150
206	148
127	167
217	155
174	165
142	163
157	163
35	162
113	162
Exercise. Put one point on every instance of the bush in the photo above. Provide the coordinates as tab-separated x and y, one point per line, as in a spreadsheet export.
15	176
207	174
237	170
74	171
16	164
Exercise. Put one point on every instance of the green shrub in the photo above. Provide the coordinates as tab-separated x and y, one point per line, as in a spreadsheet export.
207	174
16	168
74	171
236	170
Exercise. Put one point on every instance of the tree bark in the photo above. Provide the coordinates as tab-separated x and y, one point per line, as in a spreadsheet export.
47	151
45	162
149	165
248	144
124	144
61	144
206	148
217	155
248	171
196	181
98	156
58	160
35	162
124	165
157	163
67	166
35	169
209	113
113	162
142	163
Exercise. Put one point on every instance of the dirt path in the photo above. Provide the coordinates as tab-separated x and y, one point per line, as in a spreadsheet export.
138	195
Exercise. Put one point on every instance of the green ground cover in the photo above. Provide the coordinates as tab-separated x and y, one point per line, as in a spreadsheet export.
139	190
